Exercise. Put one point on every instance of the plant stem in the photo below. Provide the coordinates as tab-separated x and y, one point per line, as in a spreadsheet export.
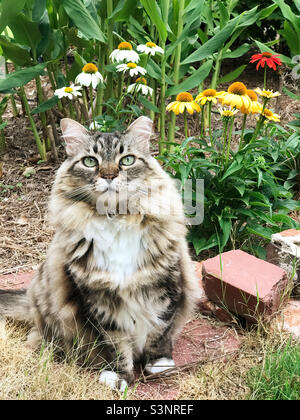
14	106
265	77
202	122
260	122
229	141
172	123
40	145
84	99
209	122
110	44
224	138
92	105
165	10
243	131
185	124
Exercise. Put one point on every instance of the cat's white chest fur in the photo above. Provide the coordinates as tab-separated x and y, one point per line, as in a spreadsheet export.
117	246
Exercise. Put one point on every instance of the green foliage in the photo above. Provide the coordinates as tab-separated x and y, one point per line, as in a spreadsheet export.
278	378
252	194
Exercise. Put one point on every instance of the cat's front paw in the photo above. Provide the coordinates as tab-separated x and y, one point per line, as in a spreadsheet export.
113	380
159	365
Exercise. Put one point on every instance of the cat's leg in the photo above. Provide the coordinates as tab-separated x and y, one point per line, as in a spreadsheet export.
158	353
118	372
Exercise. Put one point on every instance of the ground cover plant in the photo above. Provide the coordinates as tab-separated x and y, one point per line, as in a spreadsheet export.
185	64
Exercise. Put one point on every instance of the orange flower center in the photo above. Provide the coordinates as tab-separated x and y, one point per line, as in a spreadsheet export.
184	97
268	113
90	68
237	88
209	92
141	80
124	46
252	95
68	89
267	54
150	44
131	65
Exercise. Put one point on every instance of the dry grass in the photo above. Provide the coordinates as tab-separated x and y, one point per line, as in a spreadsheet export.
28	375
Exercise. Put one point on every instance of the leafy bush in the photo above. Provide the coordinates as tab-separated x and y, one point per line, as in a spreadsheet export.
251	194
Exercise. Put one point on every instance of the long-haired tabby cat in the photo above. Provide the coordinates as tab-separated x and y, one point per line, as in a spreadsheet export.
118	284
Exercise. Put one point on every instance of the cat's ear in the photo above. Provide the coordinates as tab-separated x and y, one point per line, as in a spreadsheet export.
141	131
74	134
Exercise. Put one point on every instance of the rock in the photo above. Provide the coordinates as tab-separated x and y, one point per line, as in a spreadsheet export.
245	285
289	319
284	251
16	280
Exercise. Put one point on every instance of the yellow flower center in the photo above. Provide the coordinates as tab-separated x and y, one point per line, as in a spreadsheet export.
141	80
90	68
131	65
209	92
227	113
238	88
184	97
267	54
68	89
124	46
151	44
252	95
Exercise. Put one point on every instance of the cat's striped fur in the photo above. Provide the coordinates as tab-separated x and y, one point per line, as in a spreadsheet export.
119	285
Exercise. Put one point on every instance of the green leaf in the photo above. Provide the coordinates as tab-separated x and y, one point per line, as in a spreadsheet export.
218	41
45	106
153	11
147	104
232	75
26	32
234	167
291	94
261	231
194	80
9	12
15	52
21	77
83	20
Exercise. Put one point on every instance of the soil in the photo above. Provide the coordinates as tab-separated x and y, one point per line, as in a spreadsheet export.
25	233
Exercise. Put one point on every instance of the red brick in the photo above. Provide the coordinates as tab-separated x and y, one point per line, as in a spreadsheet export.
245	284
16	280
289	319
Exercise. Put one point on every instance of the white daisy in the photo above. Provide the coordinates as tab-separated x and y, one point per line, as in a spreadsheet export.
68	91
124	52
134	69
89	76
140	86
150	48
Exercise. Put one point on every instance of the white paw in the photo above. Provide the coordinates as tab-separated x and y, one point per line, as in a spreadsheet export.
113	380
160	365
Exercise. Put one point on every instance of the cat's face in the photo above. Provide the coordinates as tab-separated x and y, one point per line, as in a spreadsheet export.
107	170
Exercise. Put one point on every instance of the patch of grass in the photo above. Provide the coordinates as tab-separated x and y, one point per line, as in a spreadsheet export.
278	378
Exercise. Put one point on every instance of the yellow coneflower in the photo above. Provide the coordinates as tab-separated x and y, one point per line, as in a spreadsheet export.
208	95
268	94
228	113
269	115
184	102
255	107
236	96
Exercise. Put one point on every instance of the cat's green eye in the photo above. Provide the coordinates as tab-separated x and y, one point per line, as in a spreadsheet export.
127	160
90	162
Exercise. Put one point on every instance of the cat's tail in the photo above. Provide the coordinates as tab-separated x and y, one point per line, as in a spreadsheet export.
15	304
